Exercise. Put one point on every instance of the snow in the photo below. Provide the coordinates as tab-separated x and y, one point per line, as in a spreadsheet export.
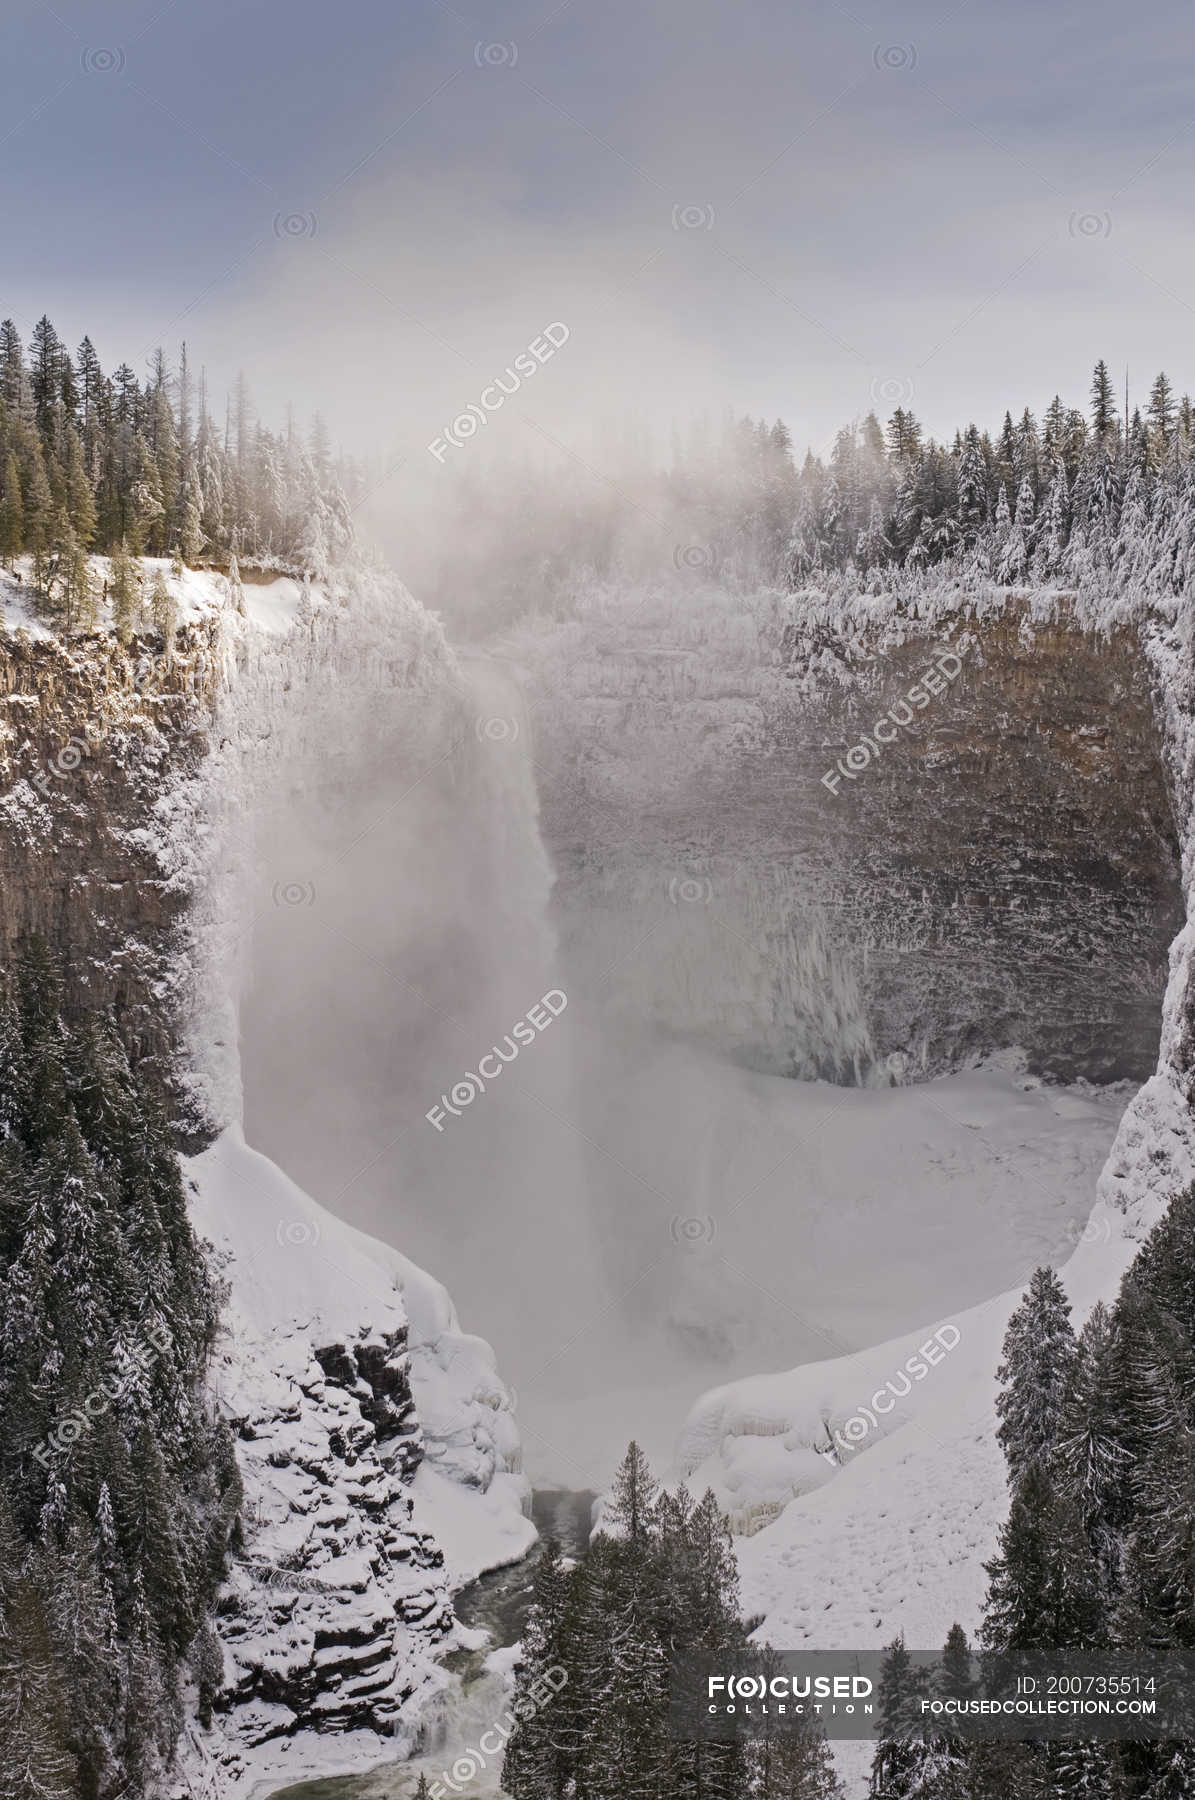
826	1219
476	1532
895	1539
271	605
329	1335
296	1271
17	609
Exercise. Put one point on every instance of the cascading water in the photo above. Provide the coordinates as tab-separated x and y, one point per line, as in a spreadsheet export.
409	982
623	1201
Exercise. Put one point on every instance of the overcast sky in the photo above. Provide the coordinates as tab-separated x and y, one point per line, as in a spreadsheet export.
374	205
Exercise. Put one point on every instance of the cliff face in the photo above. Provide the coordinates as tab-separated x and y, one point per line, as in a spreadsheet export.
128	784
925	1490
91	736
354	1397
867	852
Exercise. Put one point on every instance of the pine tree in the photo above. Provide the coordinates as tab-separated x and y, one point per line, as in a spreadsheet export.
38	513
1094	1445
873	549
534	1763
1044	1591
14	387
787	1760
12	514
35	1763
633	1496
956	1680
900	1752
998	1770
1038	1361
80	505
30	1359
163	610
1161	412
904	437
96	1252
126	593
77	606
45	365
584	1640
1104	417
972	501
190	534
82	1623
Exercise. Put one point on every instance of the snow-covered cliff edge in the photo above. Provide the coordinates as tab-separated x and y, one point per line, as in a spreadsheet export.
357	1397
363	1414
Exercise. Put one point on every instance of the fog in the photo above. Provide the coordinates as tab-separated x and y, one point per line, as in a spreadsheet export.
630	1216
702	213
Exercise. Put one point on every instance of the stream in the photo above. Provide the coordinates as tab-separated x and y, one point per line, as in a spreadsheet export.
496	1603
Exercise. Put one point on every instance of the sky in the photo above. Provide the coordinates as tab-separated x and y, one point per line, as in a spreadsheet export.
795	210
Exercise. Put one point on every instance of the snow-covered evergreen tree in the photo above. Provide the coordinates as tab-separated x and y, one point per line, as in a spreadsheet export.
1038	1362
118	1493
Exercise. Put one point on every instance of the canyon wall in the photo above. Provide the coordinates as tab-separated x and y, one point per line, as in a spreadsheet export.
130	781
93	735
866	848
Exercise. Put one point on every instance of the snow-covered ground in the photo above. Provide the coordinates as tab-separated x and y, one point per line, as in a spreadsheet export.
891	1536
804	1218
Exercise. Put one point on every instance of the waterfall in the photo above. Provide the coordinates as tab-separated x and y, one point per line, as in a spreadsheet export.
555	1128
409	1035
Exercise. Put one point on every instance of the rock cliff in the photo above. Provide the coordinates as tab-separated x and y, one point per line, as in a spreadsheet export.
129	777
865	848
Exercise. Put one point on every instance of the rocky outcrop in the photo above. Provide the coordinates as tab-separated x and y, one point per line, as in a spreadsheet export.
377	1372
338	1597
866	851
340	1366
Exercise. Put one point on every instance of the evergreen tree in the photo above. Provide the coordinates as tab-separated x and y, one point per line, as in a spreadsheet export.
163	609
126	593
38	513
972	500
1104	417
534	1762
107	1315
1044	1591
903	1731
1095	1447
12	514
789	1759
45	375
35	1762
1161	412
1038	1362
633	1496
80	504
14	387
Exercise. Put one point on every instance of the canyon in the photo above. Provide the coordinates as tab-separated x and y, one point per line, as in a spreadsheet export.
317	860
